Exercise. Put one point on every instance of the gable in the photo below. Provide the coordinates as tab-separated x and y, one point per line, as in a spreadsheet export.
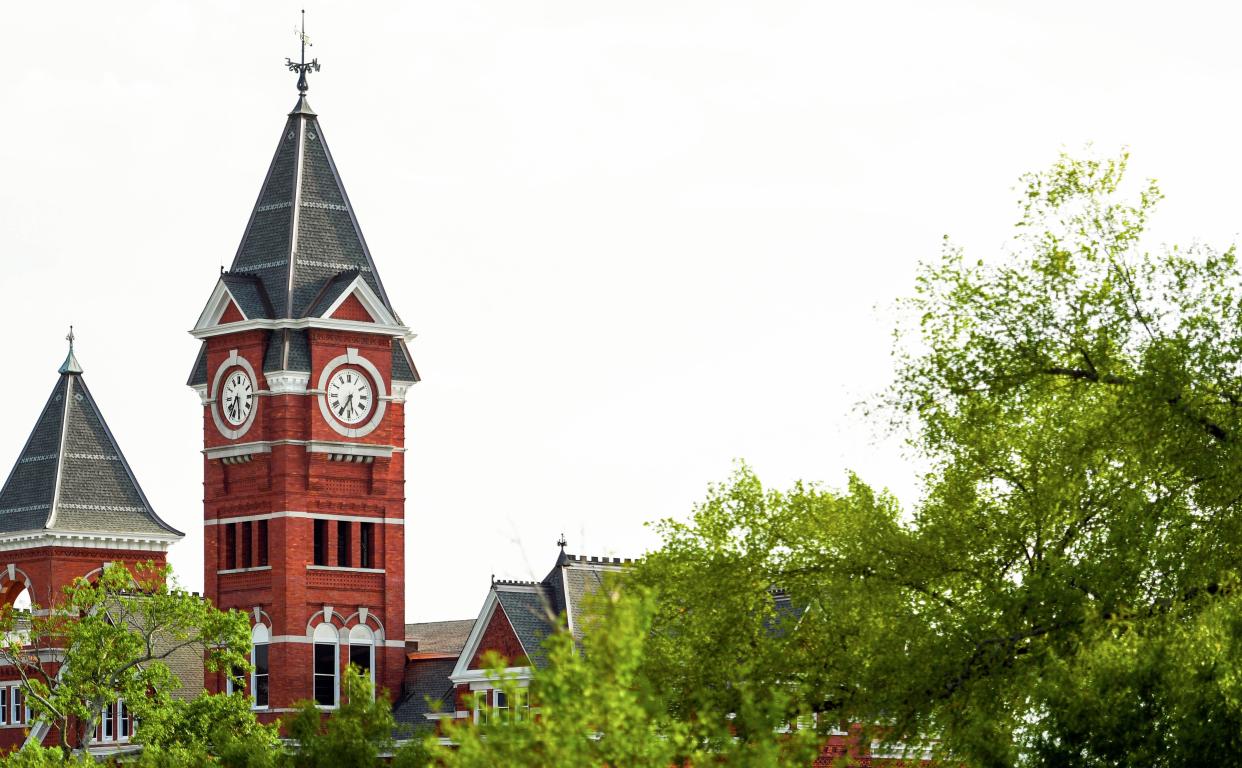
352	309
231	314
498	636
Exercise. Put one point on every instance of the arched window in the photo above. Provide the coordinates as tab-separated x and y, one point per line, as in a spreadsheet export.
259	639
327	664
362	652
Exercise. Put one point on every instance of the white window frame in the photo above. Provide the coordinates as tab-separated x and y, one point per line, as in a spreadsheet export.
361	634
327	634
260	635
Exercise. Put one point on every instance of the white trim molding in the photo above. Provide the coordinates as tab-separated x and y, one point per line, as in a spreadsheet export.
300	324
287	382
221	296
343	569
86	540
306	516
367	298
312	446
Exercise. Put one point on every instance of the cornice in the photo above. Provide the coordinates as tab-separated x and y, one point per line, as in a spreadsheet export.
329	323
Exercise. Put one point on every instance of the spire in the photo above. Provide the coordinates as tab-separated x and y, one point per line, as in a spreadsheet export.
71	364
302	67
71	475
303	231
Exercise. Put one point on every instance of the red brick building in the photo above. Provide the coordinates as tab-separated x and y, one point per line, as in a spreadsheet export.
303	373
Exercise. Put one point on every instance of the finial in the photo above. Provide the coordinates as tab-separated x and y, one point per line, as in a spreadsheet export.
562	543
71	364
303	66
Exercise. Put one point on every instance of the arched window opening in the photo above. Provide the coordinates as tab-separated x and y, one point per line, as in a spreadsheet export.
362	652
21	601
260	638
327	665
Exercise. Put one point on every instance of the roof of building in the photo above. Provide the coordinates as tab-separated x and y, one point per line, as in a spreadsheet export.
72	476
444	637
427	690
303	231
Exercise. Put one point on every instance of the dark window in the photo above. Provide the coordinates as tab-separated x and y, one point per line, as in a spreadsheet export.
366	544
247	536
230	546
321	542
262	542
325	674
360	657
342	543
258	684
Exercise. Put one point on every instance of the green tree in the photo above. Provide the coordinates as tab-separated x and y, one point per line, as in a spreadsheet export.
355	734
1080	403
589	706
208	729
110	640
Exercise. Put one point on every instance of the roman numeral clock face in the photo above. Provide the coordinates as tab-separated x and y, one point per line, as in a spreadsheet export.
349	396
237	398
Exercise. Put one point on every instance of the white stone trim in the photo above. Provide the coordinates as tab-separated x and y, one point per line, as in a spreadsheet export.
312	446
326	323
228	431
369	300
306	516
203	397
343	569
219	301
86	540
287	382
461	672
304	640
399	390
245	570
352	357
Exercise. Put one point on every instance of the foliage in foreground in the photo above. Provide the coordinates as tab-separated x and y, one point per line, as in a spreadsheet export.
117	634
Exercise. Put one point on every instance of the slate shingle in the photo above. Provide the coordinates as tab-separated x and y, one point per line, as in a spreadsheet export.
72	476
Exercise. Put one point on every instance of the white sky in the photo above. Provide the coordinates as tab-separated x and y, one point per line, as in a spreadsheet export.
638	239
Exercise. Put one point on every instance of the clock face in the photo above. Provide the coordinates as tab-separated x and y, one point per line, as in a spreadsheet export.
237	398
349	396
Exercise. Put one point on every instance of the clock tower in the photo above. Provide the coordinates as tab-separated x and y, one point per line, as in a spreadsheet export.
302	375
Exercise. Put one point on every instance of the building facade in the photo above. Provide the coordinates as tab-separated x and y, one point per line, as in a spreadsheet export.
302	375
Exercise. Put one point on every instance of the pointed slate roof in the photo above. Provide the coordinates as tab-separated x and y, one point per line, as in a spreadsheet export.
71	474
303	231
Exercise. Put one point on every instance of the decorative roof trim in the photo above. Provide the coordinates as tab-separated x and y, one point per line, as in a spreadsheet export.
461	670
86	539
396	331
369	299
221	296
60	450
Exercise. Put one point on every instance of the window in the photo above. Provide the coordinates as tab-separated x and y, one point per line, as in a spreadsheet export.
342	543
502	706
4	705
262	542
123	722
480	707
259	637
230	546
521	705
326	665
247	536
20	713
362	652
106	724
234	680
366	544
321	542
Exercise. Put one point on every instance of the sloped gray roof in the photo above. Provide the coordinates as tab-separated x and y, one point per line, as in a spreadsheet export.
439	636
72	476
293	256
250	294
427	689
531	616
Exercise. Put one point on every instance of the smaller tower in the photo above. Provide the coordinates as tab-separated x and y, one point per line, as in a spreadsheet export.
72	503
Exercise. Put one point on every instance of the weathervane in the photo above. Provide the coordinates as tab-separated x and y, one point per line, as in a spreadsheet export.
70	337
562	543
303	66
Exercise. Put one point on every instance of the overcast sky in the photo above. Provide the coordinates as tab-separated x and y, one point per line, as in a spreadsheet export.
637	239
